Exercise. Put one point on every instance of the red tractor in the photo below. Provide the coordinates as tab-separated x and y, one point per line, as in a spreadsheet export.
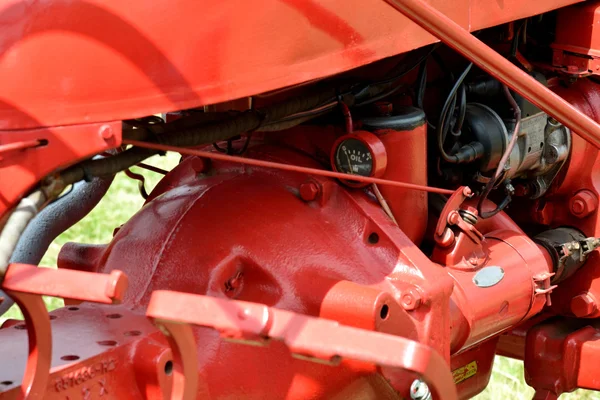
374	198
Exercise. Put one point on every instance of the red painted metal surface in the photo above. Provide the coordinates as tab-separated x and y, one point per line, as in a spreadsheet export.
410	167
579	176
26	284
98	352
499	67
304	336
152	69
245	265
58	147
472	369
577	43
340	247
562	356
313	270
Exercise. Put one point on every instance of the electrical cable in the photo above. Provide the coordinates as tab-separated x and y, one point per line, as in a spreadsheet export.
500	169
442	120
421	84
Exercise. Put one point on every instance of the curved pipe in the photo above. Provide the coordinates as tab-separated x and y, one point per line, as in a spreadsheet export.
53	220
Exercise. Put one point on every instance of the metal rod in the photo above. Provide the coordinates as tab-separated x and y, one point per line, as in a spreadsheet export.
286	167
492	62
152	168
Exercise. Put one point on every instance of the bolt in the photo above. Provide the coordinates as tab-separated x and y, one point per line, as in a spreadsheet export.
106	132
583	305
583	203
419	390
453	218
411	300
309	191
199	165
244	313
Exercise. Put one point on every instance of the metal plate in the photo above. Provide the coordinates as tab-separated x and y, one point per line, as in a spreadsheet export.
488	276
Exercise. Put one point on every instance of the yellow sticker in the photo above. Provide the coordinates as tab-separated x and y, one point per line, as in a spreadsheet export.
462	373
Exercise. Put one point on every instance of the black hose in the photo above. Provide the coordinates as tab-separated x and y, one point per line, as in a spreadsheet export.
441	127
196	135
53	220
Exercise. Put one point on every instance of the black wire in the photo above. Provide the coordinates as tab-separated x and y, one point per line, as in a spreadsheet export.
421	84
488	214
442	121
405	71
395	78
462	110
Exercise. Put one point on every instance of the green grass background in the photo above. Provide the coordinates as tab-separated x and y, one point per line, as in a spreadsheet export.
123	200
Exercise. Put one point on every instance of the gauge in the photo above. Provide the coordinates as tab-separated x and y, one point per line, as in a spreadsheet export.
361	153
353	157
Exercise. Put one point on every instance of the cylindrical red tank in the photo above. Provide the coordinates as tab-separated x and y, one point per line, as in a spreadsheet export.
404	135
499	281
502	292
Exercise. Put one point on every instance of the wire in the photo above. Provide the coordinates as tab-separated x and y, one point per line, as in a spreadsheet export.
413	66
500	169
153	168
397	76
421	84
462	110
383	203
441	127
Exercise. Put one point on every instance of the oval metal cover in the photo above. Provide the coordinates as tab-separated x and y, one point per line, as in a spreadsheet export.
488	276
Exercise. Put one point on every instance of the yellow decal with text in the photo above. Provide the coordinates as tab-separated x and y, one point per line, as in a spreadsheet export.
462	373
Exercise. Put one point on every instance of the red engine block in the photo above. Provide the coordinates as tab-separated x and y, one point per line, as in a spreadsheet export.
330	252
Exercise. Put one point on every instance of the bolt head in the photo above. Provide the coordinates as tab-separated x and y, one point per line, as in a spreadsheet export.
106	132
583	203
410	300
309	191
198	164
583	305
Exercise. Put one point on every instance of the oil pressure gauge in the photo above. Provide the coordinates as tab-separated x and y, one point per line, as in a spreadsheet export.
360	153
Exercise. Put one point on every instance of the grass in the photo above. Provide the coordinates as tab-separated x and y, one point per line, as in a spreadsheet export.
123	200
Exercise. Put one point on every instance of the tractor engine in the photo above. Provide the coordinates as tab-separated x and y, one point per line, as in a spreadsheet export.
347	220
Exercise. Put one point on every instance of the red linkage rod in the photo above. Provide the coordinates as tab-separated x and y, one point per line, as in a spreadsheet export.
489	60
285	167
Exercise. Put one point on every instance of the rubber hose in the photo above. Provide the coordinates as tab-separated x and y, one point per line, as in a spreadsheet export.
53	220
195	136
16	224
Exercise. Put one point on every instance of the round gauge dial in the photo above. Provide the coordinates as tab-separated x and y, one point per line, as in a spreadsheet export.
359	153
352	156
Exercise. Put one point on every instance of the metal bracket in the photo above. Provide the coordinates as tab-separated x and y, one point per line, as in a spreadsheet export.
26	284
314	338
450	216
542	281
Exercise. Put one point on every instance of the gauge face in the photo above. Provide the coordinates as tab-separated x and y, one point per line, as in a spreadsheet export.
352	156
